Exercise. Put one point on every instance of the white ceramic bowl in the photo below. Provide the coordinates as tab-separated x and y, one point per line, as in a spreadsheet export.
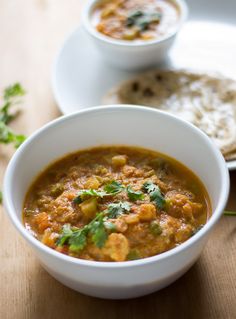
127	54
112	125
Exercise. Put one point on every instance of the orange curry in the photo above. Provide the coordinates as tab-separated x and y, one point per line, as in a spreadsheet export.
115	204
136	19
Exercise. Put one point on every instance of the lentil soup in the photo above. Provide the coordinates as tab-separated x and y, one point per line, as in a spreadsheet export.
136	20
115	204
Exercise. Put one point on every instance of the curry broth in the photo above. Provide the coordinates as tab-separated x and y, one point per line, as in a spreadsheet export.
136	20
115	204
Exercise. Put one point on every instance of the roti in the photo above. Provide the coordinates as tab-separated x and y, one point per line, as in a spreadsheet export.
206	100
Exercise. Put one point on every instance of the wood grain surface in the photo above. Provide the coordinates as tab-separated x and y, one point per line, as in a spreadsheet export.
31	32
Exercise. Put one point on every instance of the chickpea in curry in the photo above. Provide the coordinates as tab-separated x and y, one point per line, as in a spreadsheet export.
115	204
136	20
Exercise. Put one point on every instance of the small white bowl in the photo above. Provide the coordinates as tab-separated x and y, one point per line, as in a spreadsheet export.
131	55
117	125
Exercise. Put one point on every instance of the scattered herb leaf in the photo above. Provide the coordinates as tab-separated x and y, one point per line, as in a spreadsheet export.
13	91
134	195
87	193
229	213
155	194
113	188
7	136
76	238
110	189
116	209
98	231
142	19
10	96
65	235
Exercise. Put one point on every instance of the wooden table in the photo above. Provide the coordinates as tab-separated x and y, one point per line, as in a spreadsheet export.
31	31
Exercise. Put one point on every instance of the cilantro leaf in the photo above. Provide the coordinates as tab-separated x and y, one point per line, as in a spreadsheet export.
229	213
142	19
0	197
13	91
78	240
98	231
7	136
116	209
110	189
113	188
9	96
86	193
65	235
133	195
155	194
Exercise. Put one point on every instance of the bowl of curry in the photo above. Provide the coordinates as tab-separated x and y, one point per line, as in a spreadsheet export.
123	202
134	34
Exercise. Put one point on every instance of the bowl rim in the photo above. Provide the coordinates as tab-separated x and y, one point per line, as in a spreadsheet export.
86	22
10	211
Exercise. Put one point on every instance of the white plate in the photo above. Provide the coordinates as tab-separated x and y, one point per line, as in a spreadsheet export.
207	42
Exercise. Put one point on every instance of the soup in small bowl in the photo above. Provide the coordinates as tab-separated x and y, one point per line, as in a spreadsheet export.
136	20
133	34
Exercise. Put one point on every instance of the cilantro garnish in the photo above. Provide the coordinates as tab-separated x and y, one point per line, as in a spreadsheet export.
113	188
155	194
98	231
87	193
76	238
142	19
116	209
133	195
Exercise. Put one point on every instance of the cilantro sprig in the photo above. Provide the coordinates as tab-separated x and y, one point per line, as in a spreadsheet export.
155	194
229	213
77	238
113	188
110	189
142	19
10	98
134	195
87	193
116	209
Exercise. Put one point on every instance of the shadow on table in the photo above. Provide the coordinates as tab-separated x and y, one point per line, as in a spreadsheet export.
183	299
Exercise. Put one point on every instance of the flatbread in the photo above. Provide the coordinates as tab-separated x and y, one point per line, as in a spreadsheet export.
206	100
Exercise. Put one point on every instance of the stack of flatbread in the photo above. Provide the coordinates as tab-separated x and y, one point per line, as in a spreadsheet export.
206	100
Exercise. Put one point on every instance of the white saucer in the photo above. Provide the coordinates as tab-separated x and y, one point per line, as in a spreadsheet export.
81	78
